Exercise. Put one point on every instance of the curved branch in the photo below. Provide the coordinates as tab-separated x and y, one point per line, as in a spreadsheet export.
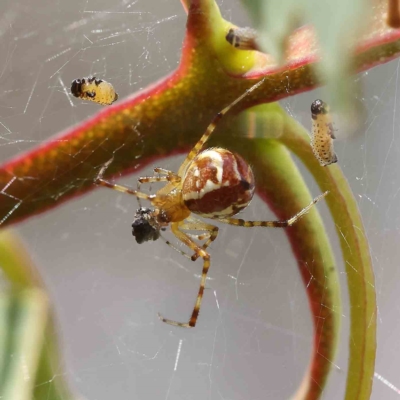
280	184
355	249
168	117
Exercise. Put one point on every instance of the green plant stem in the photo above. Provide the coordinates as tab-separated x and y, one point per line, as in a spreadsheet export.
280	184
356	256
29	350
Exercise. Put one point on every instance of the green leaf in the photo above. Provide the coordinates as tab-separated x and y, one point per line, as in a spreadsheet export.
338	27
354	245
23	316
279	183
29	353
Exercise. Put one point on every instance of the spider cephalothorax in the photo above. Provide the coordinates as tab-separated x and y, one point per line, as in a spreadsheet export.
214	183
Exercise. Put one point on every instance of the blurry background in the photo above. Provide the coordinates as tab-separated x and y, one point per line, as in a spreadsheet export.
254	333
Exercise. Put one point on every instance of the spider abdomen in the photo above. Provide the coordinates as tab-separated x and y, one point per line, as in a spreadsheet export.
218	183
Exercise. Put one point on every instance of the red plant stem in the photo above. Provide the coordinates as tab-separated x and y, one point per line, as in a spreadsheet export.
161	120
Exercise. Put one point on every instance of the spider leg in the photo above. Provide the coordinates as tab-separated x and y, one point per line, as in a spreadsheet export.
124	189
120	188
206	265
152	179
210	129
273	224
195	225
200	236
175	248
203	236
210	234
173	176
170	177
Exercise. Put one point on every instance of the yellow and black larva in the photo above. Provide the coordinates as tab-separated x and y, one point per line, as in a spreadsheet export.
93	89
322	133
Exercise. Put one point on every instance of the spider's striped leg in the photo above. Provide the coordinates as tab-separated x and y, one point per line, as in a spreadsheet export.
211	233
152	179
193	257
210	129
273	224
120	188
206	265
169	176
183	253
172	175
124	189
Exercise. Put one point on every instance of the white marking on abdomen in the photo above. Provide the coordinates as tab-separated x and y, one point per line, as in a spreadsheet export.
210	186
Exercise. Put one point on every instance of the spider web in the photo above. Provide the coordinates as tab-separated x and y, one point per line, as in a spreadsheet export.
254	332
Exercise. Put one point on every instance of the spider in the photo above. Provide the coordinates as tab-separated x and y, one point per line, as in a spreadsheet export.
95	90
213	183
322	133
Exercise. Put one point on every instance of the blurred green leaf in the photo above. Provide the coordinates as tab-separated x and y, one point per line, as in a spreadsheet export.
338	25
29	353
269	126
356	257
23	316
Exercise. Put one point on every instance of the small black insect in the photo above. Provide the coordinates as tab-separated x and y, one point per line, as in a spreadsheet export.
145	226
